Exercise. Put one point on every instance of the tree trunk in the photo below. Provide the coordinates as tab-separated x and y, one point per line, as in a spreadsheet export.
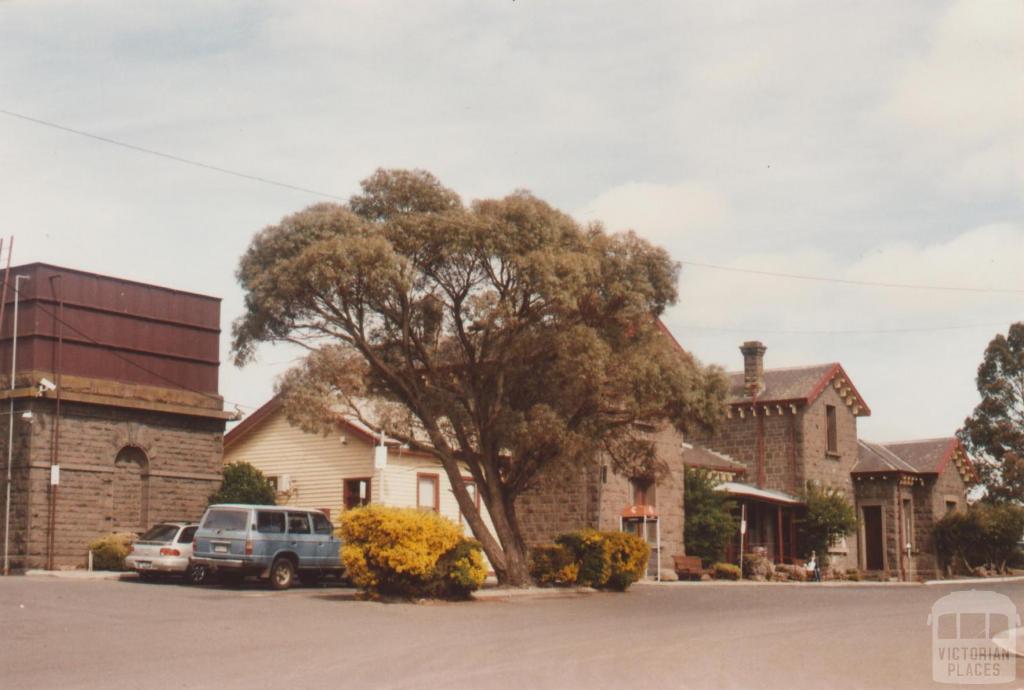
516	572
507	553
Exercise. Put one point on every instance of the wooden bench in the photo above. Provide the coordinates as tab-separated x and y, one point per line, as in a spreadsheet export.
688	567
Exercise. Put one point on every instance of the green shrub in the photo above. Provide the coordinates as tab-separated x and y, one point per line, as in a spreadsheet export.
553	564
591	553
607	560
108	552
983	535
408	552
829	517
710	522
243	483
725	571
628	555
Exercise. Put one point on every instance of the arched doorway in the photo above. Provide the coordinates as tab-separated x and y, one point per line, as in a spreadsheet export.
130	490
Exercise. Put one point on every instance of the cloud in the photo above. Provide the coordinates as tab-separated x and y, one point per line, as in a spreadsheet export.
912	353
663	213
960	100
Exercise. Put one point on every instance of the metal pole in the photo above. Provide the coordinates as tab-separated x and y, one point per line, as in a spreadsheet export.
743	533
55	457
10	429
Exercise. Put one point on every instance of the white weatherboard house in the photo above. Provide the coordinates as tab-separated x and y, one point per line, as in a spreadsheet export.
338	471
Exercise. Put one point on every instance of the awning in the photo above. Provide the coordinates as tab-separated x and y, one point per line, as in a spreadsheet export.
747	491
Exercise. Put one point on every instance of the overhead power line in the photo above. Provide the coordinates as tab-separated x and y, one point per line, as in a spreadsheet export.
867	331
168	156
867	283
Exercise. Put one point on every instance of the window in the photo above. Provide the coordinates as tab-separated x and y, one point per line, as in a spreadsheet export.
160	533
950	506
908	523
321	525
831	440
357	492
473	493
642	492
427	494
298	523
273	482
270	522
187	535
226	519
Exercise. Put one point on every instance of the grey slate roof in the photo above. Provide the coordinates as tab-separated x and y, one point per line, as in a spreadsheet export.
705	458
793	383
928	455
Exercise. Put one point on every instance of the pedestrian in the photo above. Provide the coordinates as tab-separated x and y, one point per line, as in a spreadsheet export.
813	571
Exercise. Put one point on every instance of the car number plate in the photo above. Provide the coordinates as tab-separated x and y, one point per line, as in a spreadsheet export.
144	565
220	548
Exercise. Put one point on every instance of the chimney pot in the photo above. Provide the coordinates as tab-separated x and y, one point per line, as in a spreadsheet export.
753	365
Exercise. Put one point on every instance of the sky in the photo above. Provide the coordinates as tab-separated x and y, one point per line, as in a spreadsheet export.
869	141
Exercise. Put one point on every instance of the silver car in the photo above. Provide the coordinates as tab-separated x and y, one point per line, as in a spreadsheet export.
166	549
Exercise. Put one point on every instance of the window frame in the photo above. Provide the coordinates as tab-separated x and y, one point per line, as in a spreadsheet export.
831	430
434	477
359	503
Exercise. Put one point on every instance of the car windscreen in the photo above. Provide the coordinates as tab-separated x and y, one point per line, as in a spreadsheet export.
187	535
160	533
225	519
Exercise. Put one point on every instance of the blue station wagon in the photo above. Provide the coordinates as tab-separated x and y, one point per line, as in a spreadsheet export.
273	542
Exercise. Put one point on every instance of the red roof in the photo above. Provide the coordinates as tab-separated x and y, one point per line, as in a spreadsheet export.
794	384
924	456
257	418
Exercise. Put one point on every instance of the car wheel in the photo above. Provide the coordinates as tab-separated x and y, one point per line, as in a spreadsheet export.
282	574
196	574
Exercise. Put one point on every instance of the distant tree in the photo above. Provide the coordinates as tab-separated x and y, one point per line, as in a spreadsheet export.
984	534
243	483
829	517
709	523
502	337
994	434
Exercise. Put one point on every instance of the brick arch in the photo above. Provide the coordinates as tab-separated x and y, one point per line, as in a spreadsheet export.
130	489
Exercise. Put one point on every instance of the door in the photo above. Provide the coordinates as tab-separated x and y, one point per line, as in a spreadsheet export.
874	545
328	546
301	539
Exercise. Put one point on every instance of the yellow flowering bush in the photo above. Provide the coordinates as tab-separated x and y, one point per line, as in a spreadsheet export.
606	560
553	564
408	552
109	552
628	556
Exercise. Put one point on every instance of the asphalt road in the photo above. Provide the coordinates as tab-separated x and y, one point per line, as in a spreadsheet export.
109	634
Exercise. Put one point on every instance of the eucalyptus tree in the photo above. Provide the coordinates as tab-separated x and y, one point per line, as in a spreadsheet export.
501	336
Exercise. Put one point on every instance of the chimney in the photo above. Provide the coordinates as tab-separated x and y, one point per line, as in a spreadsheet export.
753	365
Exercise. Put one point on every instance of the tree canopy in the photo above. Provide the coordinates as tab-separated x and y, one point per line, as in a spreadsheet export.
243	483
994	433
501	336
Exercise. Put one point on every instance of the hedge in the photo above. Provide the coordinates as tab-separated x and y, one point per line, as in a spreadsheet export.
553	564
